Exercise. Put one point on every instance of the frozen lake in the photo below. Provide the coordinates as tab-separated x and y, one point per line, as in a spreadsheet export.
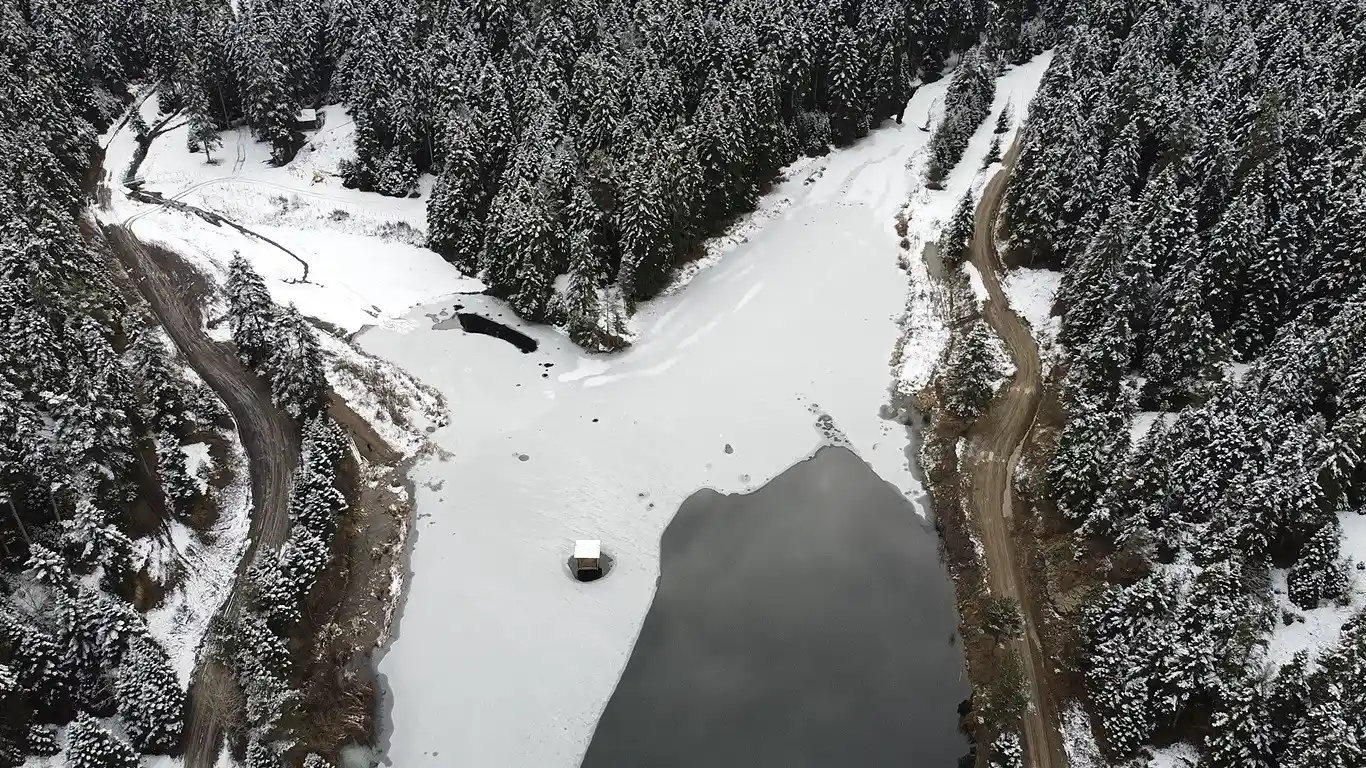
789	340
500	659
808	623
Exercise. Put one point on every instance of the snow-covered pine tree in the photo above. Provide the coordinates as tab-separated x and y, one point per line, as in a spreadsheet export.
1093	440
641	220
1127	634
1001	618
324	444
1184	350
173	470
315	502
957	234
264	72
49	569
90	537
253	637
1005	119
969	371
966	104
524	243
151	703
315	760
459	202
268	695
1328	737
581	300
846	105
251	313
294	367
157	382
1318	575
89	745
103	627
1242	735
42	741
261	754
202	131
1006	751
993	154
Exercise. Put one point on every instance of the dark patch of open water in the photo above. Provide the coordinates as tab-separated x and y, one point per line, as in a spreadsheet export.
472	323
809	623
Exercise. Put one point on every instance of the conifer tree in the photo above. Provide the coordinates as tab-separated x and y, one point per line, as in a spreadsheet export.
1006	751
151	703
966	104
967	385
91	746
993	153
42	741
1318	575
202	133
1005	119
953	243
1001	618
260	754
174	472
847	120
251	313
295	366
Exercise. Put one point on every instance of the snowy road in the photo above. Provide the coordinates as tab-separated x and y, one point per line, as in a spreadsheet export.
500	658
269	436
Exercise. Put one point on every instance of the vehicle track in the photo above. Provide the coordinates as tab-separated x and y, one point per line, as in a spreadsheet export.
996	439
269	436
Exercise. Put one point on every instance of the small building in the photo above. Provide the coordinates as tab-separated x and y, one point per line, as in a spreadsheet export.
306	120
587	560
134	183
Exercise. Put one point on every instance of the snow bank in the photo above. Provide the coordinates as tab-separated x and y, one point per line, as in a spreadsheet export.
396	405
924	333
198	463
366	265
979	289
724	389
1077	740
1031	293
1176	756
1001	362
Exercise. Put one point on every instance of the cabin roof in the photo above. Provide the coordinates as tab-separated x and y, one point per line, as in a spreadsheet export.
587	549
307	115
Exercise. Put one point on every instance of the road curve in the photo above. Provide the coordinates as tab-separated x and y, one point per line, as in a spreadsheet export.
996	438
270	438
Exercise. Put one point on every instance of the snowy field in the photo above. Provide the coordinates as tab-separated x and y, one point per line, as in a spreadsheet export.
365	263
500	658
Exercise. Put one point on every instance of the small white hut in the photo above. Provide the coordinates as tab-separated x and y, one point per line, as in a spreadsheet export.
587	560
306	120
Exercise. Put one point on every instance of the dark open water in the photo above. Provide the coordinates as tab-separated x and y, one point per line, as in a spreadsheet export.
809	623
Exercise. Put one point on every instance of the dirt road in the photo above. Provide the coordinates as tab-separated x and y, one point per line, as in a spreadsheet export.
995	441
270	438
